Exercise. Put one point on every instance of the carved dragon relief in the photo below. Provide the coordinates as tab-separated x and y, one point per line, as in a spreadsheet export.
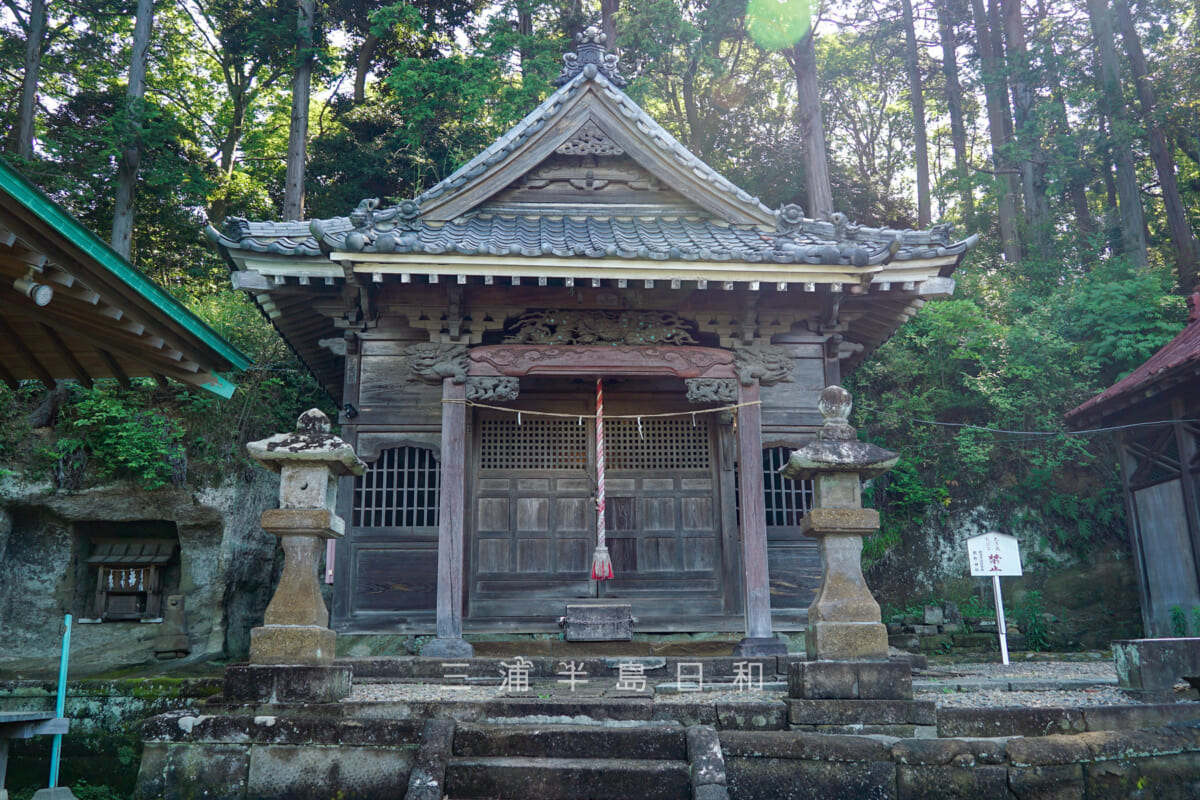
601	327
711	390
430	362
765	363
485	390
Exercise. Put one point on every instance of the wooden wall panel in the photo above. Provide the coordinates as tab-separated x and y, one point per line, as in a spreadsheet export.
792	405
795	570
394	578
1166	553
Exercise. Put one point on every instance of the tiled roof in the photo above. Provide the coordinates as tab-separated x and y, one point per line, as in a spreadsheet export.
519	133
593	231
1179	357
657	237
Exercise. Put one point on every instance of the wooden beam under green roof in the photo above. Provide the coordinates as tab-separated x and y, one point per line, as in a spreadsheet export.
120	283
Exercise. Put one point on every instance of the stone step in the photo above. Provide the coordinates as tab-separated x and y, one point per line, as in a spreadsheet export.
643	742
524	778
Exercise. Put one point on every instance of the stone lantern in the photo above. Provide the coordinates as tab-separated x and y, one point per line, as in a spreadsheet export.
846	639
843	621
291	655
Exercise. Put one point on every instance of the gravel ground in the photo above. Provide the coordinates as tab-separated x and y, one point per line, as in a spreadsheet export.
1045	675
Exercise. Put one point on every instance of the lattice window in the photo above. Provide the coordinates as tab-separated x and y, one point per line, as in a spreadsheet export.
536	444
661	444
400	490
786	501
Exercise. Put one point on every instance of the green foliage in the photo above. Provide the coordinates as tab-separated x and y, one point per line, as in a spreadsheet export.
124	439
1029	618
1120	316
1179	621
877	545
975	607
973	392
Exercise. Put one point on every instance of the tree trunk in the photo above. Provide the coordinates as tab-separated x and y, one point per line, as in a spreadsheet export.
124	206
366	54
803	59
240	99
608	23
1186	261
954	104
1133	224
1032	163
917	97
1066	143
293	187
994	94
29	83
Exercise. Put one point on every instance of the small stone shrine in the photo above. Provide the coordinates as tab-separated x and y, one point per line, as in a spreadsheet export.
847	641
291	655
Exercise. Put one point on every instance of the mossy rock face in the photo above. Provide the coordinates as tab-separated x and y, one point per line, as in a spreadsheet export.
1094	604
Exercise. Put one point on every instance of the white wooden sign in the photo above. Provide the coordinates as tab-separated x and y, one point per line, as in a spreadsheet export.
994	554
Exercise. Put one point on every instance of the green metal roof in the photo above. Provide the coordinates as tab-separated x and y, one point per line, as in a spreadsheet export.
97	256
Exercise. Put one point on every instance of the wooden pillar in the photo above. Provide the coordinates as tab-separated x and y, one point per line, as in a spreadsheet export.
759	640
1128	465
449	642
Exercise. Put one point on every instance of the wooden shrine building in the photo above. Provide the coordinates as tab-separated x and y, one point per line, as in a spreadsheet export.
463	332
1155	409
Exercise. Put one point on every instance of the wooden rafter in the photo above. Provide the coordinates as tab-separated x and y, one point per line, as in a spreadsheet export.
68	356
114	367
103	285
9	378
89	331
32	360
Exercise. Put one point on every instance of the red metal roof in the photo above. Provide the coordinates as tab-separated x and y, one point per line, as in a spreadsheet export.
1177	360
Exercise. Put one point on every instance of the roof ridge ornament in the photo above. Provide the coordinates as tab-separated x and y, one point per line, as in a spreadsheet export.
590	59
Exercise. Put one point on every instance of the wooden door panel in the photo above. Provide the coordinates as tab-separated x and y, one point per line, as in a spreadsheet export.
535	521
493	555
659	554
660	513
698	513
574	513
533	514
700	554
533	555
493	514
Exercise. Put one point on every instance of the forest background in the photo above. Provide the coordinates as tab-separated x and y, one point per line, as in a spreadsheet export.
1065	132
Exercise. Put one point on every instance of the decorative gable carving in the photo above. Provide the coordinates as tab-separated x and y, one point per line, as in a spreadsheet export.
589	140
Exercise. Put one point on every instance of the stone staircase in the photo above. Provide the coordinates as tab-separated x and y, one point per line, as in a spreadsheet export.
523	759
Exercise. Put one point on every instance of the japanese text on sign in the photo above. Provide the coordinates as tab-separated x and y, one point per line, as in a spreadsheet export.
994	554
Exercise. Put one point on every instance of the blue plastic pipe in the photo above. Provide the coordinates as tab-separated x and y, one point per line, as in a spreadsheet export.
60	704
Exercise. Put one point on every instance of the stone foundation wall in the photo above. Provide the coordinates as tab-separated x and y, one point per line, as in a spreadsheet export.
276	758
1157	762
223	568
103	745
267	756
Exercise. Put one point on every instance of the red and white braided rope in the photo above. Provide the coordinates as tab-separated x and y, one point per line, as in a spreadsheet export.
599	463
